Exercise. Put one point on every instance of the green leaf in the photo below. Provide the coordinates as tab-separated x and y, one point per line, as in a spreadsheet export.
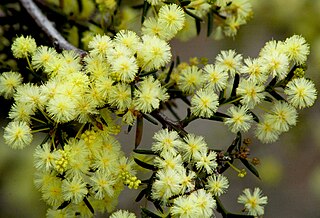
139	131
235	85
169	72
143	73
184	3
198	26
149	119
147	213
146	6
192	15
141	194
250	167
89	206
64	205
129	128
235	142
140	151
145	165
210	23
255	117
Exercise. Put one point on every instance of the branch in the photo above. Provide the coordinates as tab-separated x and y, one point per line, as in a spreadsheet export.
46	26
167	123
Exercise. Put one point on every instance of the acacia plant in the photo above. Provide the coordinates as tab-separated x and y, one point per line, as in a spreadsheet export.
80	71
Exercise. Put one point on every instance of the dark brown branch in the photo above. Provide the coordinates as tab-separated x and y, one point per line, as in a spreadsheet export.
167	123
46	26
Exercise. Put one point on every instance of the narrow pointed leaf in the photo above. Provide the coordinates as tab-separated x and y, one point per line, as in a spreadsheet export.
255	117
145	165
89	206
149	119
198	26
147	213
146	6
235	142
210	23
193	15
169	72
140	151
64	205
184	3
141	195
250	167
139	131
235	85
129	128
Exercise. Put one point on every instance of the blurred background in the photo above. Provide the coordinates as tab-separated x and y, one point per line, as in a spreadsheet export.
290	168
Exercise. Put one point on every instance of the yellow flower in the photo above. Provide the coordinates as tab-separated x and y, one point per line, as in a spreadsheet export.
22	47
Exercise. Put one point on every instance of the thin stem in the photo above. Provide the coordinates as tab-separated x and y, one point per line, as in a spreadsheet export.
80	131
40	130
38	120
45	115
233	167
231	100
30	66
46	26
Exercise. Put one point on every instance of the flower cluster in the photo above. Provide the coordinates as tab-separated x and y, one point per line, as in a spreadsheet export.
227	17
274	81
179	163
81	101
86	171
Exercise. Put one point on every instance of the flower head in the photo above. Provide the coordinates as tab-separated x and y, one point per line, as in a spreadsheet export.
250	92
122	214
190	79
301	92
124	69
297	49
74	189
9	81
204	103
120	96
254	68
217	184
240	119
266	132
100	45
283	115
154	53
17	135
192	146
253	202
149	94
215	76
166	185
206	161
171	17
166	142
229	61
43	157
129	39
23	46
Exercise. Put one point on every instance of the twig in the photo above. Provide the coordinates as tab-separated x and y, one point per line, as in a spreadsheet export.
167	123
46	26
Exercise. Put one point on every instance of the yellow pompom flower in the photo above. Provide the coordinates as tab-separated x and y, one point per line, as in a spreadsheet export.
22	47
9	81
172	17
154	53
17	135
204	103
